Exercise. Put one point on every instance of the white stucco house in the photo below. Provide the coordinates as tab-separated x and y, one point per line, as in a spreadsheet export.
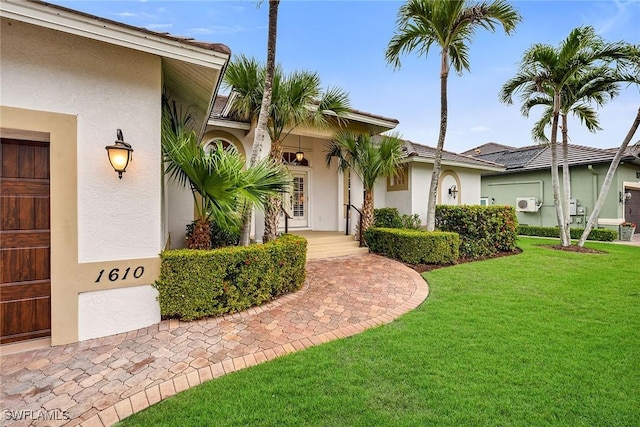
79	246
317	201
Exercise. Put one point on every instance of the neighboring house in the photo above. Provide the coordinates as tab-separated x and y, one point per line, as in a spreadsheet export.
79	247
526	183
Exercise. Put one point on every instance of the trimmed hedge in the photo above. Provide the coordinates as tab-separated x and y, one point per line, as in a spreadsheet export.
599	234
200	283
483	230
414	246
386	218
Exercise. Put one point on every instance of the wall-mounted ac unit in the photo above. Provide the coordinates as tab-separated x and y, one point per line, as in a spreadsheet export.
526	204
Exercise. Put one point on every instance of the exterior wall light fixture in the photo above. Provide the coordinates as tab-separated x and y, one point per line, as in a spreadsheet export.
299	153
625	197
453	191
119	154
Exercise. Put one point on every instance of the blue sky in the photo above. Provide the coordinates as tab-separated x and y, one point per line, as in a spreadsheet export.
345	41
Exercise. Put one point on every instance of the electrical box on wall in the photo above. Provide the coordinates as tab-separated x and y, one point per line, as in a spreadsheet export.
573	206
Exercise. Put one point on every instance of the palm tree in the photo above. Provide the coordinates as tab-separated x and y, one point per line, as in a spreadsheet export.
451	25
297	99
632	64
218	180
263	116
548	71
370	159
597	86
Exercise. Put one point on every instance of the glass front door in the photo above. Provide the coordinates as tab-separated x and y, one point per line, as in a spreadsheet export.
296	202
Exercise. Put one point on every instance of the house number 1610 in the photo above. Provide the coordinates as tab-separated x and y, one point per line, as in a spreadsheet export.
114	274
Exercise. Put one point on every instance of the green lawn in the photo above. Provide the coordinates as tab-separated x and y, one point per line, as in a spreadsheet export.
541	338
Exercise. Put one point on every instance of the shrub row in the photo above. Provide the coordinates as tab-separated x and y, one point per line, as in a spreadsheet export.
414	246
390	218
483	230
199	283
599	234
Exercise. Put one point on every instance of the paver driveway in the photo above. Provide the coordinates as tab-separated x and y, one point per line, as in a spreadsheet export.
98	382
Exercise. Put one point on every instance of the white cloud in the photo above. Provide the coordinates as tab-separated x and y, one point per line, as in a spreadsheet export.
215	29
125	14
157	27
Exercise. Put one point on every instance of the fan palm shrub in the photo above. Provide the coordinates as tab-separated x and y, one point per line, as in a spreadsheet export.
217	178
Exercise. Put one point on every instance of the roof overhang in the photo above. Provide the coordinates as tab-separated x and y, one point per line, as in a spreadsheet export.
191	73
450	163
375	124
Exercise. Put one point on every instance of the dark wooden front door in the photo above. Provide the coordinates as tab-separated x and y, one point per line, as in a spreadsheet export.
25	280
632	208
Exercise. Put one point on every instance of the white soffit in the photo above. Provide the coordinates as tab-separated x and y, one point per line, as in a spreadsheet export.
48	16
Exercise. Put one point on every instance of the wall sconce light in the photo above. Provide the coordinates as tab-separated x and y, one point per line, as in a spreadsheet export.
119	154
453	191
625	197
299	153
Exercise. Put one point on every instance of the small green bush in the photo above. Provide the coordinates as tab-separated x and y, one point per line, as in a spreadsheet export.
483	230
598	234
414	246
220	237
200	283
390	218
387	218
411	222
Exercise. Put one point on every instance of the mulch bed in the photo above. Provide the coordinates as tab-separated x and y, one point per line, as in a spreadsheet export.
421	268
574	248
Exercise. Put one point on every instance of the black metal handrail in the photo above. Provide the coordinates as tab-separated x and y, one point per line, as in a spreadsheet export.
287	217
346	232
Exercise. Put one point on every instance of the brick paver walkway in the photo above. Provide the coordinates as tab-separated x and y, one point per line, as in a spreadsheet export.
98	382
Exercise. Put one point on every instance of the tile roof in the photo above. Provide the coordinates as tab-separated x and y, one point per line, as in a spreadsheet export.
489	147
537	157
221	101
422	151
216	47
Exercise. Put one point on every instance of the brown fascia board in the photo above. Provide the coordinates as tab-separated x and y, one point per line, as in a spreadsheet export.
216	47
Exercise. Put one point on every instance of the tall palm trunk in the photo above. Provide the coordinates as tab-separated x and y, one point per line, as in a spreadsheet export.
566	179
263	117
607	180
274	203
555	179
367	214
437	162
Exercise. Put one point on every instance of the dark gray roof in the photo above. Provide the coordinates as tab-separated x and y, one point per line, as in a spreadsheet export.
513	158
537	157
418	150
488	148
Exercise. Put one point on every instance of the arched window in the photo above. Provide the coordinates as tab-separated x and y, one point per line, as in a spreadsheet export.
289	158
209	146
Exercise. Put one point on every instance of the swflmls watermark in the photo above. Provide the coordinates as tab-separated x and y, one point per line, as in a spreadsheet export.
35	415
